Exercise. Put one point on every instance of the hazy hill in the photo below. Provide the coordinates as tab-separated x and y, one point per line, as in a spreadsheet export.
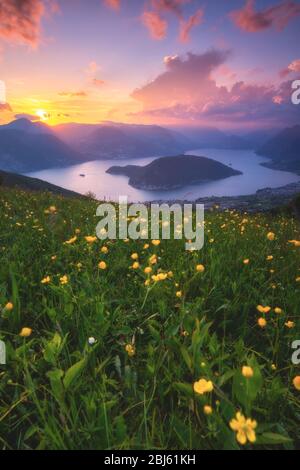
211	137
12	180
283	149
115	140
173	172
26	146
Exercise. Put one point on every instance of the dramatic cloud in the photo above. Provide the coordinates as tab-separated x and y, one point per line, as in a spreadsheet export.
72	94
293	67
276	17
187	26
187	92
156	26
20	20
114	4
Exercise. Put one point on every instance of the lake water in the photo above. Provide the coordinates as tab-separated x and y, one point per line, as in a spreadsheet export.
110	187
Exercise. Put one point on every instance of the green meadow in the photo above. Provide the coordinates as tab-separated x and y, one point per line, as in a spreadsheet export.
140	345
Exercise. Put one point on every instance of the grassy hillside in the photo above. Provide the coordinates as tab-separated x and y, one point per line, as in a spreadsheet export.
166	367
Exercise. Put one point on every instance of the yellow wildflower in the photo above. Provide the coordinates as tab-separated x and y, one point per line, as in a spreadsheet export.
203	386
46	280
146	246
271	236
64	280
148	270
90	239
200	268
179	294
153	259
246	261
290	324
295	242
262	322
278	310
102	265
9	306
130	349
244	428
262	309
155	242
72	240
247	372
296	382
207	410
25	332
104	249
270	257
134	256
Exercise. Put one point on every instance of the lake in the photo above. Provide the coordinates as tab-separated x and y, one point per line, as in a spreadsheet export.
110	187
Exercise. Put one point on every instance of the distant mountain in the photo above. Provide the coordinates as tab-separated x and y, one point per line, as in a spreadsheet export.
173	172
211	137
27	146
259	137
12	180
284	150
115	140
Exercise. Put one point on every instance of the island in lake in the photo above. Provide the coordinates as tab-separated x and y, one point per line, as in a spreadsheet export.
173	172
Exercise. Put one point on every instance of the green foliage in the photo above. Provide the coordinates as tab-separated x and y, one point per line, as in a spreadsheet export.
132	387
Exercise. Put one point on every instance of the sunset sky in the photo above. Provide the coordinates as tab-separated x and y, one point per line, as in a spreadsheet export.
223	63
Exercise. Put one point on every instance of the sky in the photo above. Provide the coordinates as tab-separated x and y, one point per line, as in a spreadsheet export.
227	64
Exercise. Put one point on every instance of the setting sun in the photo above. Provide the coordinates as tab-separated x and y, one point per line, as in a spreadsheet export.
42	114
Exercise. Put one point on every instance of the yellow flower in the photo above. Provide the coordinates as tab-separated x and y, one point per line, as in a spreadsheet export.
295	242
153	259
53	258
77	230
155	242
102	265
296	382
136	265
9	306
25	332
244	428
247	372
72	240
170	274
290	324
147	282
148	270
200	268
146	246
179	294
262	309
64	280
270	257
162	276
273	367
90	239
261	322
246	261
130	349
298	279
271	236
52	209
207	410
46	280
79	265
278	310
203	386
104	249
134	256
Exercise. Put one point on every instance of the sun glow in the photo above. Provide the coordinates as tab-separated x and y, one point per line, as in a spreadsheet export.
42	114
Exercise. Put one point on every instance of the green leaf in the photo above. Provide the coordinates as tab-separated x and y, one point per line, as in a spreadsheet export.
73	373
55	377
272	438
185	388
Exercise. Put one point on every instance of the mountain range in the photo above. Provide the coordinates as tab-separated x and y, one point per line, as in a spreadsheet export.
27	146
